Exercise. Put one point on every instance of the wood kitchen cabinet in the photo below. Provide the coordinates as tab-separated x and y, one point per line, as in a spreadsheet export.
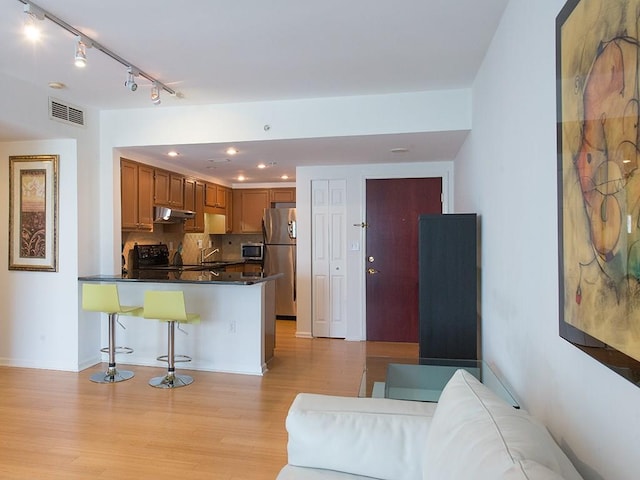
248	209
229	211
136	195
194	201
216	196
282	195
168	189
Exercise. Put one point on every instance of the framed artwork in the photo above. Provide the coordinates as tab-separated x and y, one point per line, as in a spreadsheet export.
33	213
597	54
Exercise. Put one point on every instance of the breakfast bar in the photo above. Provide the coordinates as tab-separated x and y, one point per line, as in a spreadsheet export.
237	329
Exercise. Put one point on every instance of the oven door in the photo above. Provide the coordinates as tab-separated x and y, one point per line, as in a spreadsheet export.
252	251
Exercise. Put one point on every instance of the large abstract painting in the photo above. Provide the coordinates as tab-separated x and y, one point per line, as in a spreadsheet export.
598	72
33	212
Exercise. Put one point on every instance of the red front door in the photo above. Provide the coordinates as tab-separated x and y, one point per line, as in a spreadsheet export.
393	206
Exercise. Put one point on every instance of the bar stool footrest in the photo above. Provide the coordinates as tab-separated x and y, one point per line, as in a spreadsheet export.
176	358
118	350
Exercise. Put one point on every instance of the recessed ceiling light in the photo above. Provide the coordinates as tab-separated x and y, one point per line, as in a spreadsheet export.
57	85
173	153
262	165
284	177
231	151
399	150
241	178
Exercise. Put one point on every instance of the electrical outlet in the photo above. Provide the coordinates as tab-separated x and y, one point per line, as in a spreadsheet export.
210	244
199	243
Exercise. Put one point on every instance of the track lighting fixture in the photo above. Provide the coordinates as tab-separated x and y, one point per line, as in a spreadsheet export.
155	94
35	12
81	54
31	27
131	81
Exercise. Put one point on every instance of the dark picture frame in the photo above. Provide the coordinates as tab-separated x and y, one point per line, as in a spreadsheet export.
33	213
598	114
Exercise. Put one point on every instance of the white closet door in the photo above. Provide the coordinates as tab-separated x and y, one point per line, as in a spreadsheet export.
329	250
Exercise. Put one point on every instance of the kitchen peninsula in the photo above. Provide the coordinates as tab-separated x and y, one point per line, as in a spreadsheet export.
237	330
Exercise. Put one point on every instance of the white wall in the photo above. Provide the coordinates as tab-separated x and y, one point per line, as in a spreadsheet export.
507	173
40	325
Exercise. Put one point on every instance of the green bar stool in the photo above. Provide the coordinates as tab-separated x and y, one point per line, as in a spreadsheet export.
104	298
169	306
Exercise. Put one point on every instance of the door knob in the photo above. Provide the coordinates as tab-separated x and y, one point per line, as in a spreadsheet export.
372	271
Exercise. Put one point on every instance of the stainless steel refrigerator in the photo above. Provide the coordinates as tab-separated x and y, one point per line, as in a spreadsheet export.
279	228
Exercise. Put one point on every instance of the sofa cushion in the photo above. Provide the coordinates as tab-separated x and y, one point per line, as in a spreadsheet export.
476	435
289	472
372	437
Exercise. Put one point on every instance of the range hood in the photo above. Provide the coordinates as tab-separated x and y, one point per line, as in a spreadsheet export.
171	215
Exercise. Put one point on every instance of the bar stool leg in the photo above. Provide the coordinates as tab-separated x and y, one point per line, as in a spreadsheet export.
112	375
171	379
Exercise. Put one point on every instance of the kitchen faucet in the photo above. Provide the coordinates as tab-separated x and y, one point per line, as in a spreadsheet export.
203	257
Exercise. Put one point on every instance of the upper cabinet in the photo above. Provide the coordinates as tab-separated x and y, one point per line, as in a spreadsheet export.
136	195
249	205
283	195
216	197
168	189
194	201
248	209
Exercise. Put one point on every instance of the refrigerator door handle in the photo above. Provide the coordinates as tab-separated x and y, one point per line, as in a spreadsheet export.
292	229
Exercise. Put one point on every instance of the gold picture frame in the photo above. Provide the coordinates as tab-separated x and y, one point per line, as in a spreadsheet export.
33	213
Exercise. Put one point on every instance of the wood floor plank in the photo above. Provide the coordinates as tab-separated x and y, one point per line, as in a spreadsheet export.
59	425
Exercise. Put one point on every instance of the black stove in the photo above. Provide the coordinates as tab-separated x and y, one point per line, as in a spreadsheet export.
150	257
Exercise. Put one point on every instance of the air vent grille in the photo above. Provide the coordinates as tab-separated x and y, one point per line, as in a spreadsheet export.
66	113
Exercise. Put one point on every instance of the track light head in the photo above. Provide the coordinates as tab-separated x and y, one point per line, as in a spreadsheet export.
155	94
130	83
81	54
31	27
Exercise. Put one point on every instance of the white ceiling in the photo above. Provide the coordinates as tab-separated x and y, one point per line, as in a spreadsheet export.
231	51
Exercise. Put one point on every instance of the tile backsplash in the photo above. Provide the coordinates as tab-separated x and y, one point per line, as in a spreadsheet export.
172	236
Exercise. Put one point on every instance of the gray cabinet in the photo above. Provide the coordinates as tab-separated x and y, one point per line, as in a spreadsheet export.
448	286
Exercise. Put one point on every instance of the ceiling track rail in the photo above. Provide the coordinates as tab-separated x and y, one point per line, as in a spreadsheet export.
90	42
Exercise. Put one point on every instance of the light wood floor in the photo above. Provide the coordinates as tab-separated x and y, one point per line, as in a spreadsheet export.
59	425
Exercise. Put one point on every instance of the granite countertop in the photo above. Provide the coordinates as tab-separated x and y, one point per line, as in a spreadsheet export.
184	276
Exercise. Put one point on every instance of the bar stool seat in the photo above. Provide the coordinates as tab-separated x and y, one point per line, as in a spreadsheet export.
104	298
169	306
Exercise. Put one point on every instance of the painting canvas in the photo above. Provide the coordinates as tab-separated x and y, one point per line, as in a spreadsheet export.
33	194
598	96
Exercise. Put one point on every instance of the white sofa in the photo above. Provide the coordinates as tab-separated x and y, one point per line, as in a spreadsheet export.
469	434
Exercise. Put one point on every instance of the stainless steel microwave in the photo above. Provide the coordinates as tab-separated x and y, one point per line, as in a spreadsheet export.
252	251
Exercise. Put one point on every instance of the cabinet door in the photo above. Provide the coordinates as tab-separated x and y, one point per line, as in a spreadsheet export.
229	211
283	195
190	203
199	207
252	205
161	188
221	196
176	190
129	195
145	197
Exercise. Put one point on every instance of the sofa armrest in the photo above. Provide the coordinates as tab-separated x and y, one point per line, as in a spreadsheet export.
373	437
